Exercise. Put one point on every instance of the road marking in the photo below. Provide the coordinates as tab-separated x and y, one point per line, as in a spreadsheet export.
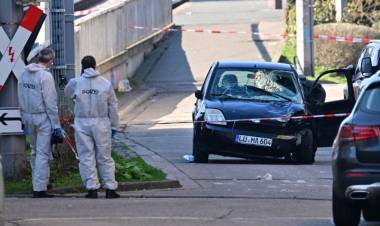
63	219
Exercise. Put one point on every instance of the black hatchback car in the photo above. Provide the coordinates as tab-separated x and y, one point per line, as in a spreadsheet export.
356	161
244	110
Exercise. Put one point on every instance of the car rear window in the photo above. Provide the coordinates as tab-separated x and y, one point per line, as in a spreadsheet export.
370	99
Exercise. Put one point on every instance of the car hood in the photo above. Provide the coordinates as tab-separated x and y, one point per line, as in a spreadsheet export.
250	109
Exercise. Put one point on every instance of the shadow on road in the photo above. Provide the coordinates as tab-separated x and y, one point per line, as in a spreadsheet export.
173	79
260	44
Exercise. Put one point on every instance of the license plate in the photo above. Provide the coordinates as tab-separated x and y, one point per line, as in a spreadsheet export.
259	141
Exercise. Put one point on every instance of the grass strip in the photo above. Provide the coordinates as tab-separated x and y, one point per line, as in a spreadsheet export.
288	55
131	170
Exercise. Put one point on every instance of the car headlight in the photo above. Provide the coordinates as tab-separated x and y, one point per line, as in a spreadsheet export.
215	116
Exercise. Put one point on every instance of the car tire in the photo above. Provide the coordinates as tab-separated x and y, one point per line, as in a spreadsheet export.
344	212
371	214
306	150
200	155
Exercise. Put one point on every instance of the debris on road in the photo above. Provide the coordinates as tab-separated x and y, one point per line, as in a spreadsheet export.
267	176
189	158
124	86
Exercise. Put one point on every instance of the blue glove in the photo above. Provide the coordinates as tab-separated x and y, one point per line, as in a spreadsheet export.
26	131
58	133
114	131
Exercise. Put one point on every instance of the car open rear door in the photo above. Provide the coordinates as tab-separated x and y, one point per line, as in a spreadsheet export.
327	127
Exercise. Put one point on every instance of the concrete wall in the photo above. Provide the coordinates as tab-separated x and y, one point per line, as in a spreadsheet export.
118	48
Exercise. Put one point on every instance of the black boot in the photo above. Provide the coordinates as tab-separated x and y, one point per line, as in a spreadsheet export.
111	194
42	194
92	194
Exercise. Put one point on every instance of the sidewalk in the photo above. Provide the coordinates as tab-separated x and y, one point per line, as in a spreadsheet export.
129	101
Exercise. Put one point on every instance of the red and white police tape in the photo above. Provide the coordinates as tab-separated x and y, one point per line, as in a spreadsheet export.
255	120
320	37
85	12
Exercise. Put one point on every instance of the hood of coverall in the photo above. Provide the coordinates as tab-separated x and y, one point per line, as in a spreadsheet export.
33	67
90	73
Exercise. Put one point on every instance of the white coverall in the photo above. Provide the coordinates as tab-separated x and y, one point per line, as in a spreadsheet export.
37	97
95	114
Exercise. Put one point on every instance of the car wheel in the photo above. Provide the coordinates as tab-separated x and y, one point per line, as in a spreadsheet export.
306	151
371	214
200	155
344	212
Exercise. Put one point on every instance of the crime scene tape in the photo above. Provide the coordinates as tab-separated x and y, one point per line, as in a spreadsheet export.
85	12
255	120
69	143
66	138
320	37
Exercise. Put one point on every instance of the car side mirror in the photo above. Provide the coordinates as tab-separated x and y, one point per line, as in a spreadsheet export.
366	66
350	67
198	94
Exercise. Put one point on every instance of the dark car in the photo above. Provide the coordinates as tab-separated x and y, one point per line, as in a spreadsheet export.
356	161
244	110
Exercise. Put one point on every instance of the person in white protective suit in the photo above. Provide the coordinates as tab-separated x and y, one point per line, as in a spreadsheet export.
96	121
39	112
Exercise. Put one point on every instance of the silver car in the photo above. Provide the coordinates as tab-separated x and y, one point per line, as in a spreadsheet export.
370	51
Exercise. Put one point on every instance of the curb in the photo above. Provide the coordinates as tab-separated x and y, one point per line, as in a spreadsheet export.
124	186
138	101
156	160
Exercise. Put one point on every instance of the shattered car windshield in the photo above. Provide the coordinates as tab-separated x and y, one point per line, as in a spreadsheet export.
255	84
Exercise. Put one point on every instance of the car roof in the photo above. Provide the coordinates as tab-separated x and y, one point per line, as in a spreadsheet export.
374	43
254	64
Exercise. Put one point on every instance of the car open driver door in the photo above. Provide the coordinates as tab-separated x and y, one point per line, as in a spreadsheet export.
327	127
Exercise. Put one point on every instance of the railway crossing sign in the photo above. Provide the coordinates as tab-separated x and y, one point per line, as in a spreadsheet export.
10	121
11	49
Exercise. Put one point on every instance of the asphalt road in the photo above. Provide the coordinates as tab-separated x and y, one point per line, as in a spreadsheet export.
226	191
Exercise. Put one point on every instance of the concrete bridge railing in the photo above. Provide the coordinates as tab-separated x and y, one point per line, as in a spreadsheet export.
118	48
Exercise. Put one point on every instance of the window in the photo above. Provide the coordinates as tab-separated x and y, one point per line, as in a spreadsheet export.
369	52
370	100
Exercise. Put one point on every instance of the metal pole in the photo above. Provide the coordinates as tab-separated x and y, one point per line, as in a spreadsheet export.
62	38
57	16
339	8
305	51
12	148
69	40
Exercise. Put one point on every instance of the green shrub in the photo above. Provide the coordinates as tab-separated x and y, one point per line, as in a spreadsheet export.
364	12
333	54
324	12
376	26
290	15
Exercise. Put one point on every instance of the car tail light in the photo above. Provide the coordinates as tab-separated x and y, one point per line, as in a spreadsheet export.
358	133
352	174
